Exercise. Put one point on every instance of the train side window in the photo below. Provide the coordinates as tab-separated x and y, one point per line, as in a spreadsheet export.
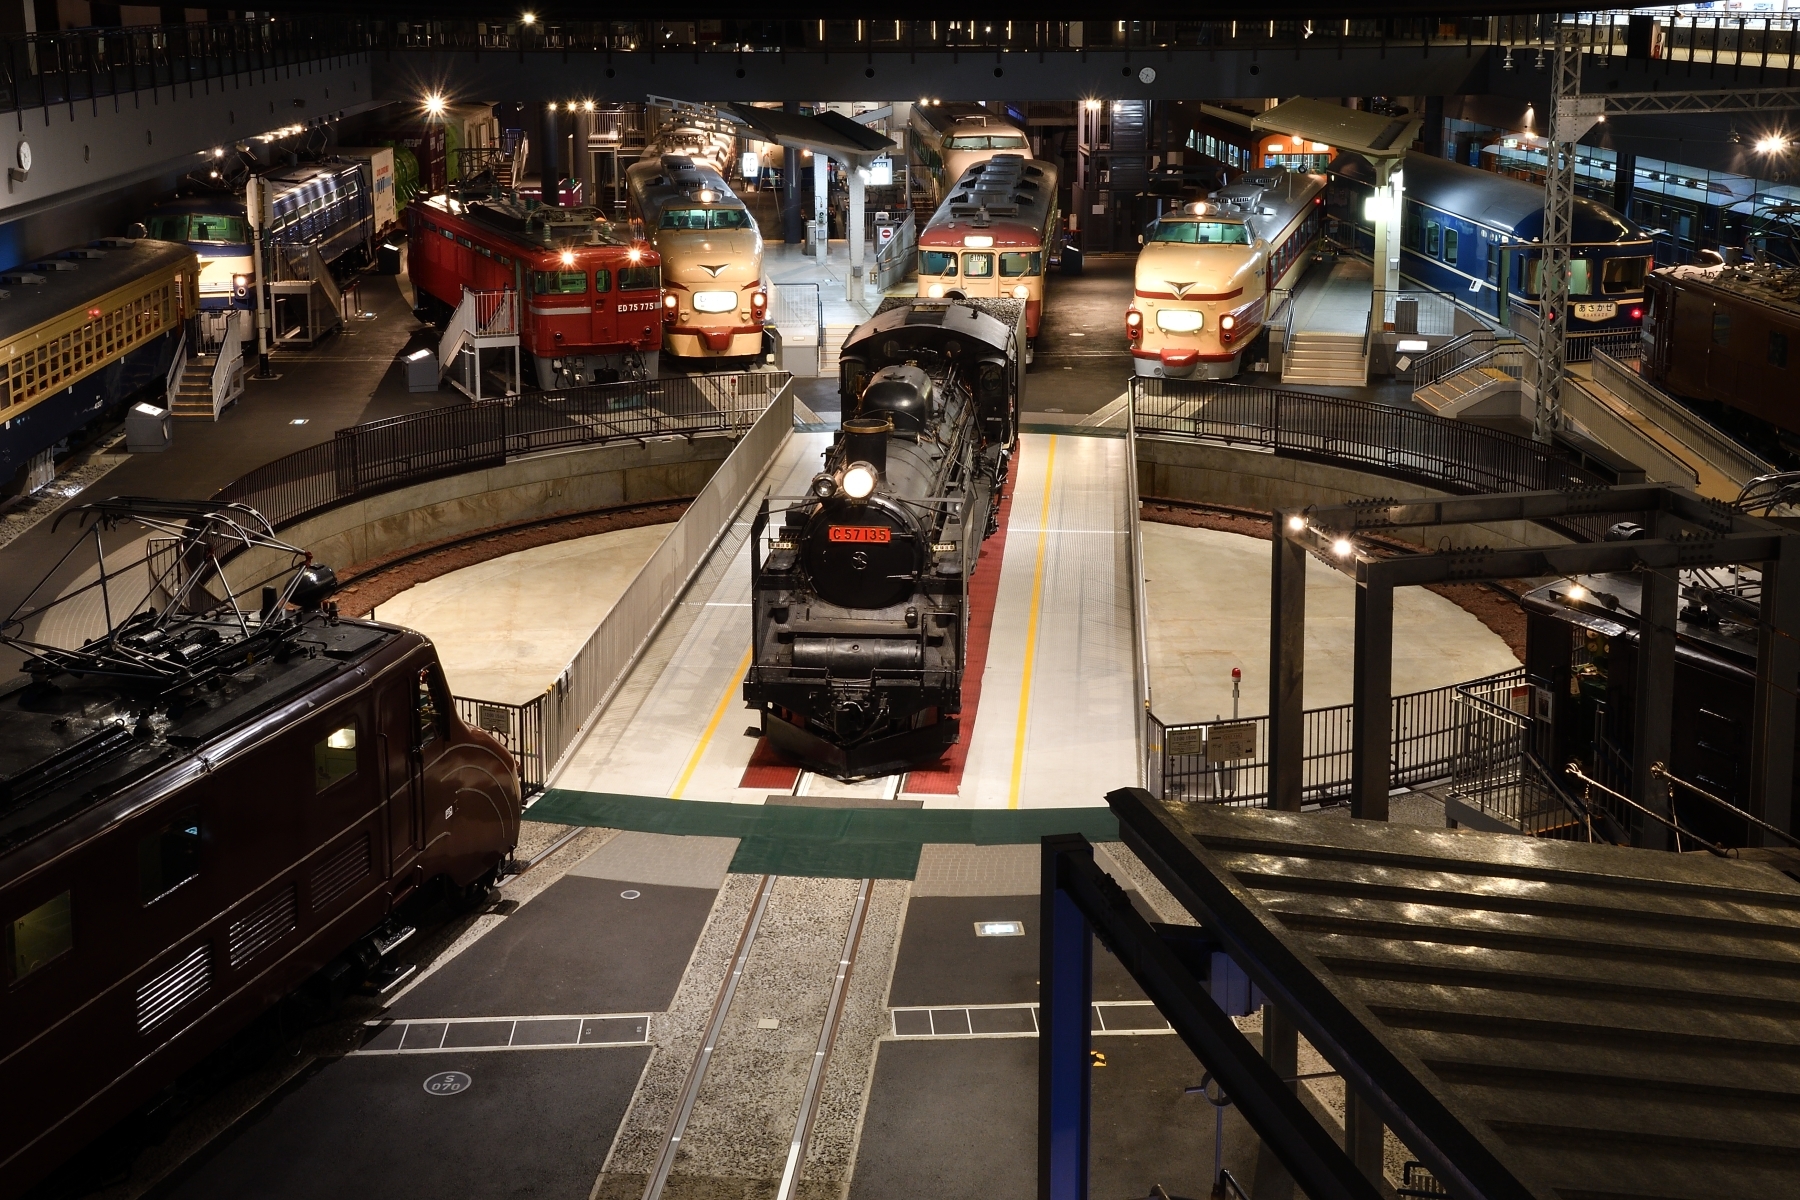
602	280
558	283
1450	237
427	711
937	262
1721	334
1581	277
1778	349
1014	265
1434	238
1493	264
978	266
39	937
639	279
169	857
334	757
1622	275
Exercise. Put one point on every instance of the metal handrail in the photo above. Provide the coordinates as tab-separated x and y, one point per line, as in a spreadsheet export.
1714	848
1662	772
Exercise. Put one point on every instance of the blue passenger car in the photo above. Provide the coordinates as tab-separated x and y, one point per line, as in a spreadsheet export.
327	205
1473	234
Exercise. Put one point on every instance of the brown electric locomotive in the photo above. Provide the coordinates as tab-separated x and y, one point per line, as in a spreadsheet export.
210	793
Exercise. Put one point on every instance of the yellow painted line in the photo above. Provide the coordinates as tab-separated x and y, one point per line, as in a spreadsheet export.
1031	633
712	726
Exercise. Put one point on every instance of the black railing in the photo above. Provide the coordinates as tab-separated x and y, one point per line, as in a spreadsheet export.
1190	761
39	69
519	727
1434	451
83	64
383	455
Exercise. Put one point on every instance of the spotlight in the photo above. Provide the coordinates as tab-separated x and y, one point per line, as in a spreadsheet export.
1296	522
529	18
1773	144
434	105
1342	547
1577	592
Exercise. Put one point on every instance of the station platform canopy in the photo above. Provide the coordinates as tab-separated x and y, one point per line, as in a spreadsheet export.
1369	134
828	133
1533	1018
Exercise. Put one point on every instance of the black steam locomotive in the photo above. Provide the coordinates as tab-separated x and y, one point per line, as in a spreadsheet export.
861	607
219	795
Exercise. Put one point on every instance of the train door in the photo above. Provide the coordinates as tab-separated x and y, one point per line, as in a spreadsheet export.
400	781
431	738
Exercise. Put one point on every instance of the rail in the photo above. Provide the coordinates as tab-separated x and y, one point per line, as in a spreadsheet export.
228	369
1206	761
1437	452
397	452
544	729
894	258
1416	310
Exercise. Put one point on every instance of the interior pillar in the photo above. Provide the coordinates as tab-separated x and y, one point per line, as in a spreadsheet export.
1287	667
853	280
1777	677
1653	705
1371	717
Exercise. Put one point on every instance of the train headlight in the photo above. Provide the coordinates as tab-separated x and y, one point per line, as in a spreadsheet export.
1134	324
1227	322
568	258
715	302
1020	292
859	481
634	255
671	306
936	291
240	284
759	301
824	486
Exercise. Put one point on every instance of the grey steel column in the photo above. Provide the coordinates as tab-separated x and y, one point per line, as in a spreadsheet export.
792	228
1287	667
1364	1136
1777	676
550	156
1281	1050
1371	719
1653	705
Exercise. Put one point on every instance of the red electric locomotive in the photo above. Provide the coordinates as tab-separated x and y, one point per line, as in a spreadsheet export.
592	287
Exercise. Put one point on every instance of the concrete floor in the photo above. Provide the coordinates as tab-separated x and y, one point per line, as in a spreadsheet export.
505	628
1208	595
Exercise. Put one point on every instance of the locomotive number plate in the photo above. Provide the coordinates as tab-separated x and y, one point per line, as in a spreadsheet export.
861	533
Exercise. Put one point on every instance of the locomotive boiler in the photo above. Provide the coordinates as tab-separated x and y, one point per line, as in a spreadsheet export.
860	588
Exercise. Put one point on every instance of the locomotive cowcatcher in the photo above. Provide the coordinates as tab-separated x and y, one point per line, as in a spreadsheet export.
860	609
205	804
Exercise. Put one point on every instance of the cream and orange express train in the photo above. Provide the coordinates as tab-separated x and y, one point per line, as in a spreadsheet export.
993	235
1205	275
714	300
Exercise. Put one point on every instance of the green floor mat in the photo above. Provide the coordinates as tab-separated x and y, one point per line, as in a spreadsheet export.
849	843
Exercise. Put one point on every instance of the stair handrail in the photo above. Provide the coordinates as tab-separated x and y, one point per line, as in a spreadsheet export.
458	327
227	360
177	368
1448	358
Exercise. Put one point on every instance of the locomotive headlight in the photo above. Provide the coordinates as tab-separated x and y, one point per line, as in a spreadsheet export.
859	481
1020	292
568	258
824	486
936	291
634	255
1227	322
240	283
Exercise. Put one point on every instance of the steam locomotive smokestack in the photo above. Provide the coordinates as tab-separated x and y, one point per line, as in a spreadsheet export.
865	440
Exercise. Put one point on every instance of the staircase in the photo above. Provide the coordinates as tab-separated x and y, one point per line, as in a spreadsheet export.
1312	356
194	396
1491	385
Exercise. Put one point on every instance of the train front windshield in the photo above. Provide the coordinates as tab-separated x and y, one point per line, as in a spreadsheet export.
705	218
1199	233
985	142
213	229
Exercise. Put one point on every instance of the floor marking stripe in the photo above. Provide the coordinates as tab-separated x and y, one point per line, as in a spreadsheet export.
712	726
1031	634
